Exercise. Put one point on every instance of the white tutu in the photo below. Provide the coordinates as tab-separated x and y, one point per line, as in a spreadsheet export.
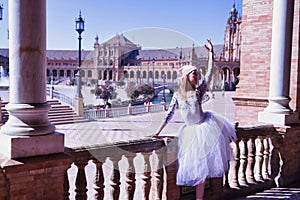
204	149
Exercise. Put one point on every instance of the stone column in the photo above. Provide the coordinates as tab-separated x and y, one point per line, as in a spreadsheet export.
278	110
28	131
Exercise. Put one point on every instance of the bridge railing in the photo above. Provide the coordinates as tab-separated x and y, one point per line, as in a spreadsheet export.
59	95
123	111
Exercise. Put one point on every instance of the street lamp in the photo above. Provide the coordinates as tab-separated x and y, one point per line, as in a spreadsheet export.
79	25
153	60
1	12
140	70
163	76
148	71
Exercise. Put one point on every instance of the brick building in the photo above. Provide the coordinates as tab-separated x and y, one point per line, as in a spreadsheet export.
120	59
253	89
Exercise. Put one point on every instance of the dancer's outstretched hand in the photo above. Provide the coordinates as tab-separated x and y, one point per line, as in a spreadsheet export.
209	45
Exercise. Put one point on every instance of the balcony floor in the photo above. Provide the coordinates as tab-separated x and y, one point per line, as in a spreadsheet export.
292	193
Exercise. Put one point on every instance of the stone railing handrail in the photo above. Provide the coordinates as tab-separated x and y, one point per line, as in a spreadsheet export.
145	168
115	153
250	170
59	95
122	111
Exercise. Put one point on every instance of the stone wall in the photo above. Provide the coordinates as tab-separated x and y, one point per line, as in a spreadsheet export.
40	177
253	87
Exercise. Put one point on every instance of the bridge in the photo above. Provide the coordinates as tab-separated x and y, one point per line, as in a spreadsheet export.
159	88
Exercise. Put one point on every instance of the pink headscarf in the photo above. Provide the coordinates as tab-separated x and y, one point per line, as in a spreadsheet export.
186	69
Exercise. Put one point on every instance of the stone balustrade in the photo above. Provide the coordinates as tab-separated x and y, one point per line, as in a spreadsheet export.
146	169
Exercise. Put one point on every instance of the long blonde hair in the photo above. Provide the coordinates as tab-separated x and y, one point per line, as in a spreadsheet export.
184	87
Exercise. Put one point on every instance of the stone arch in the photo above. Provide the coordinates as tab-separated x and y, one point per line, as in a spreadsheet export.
169	75
131	74
144	74
156	75
90	73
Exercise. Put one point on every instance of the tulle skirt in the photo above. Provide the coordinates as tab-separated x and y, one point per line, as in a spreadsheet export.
204	149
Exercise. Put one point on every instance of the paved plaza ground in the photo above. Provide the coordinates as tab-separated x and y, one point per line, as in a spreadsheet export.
135	127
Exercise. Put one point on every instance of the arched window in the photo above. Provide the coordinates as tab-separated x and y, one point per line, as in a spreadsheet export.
90	73
156	74
54	72
138	74
144	74
61	73
68	73
131	74
126	74
100	74
82	73
174	75
168	75
150	74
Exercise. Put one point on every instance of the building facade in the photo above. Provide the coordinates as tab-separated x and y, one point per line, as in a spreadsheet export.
120	59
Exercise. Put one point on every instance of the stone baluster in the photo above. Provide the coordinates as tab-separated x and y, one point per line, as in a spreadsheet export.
146	177
130	178
115	179
159	175
258	159
99	180
81	183
243	163
266	156
66	185
250	164
232	175
226	181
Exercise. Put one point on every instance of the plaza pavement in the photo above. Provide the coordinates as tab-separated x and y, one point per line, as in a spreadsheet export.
135	127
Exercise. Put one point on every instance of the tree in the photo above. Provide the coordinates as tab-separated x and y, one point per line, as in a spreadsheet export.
146	91
105	92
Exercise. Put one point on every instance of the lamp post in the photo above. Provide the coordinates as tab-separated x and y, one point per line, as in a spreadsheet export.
148	71
79	24
153	60
163	76
140	70
1	12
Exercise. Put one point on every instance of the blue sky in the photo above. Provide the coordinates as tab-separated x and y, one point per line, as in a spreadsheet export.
150	23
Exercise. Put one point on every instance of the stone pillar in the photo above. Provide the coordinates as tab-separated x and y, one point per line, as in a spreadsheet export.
28	131
278	110
78	105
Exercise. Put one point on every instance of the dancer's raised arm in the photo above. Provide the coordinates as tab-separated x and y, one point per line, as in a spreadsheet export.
209	73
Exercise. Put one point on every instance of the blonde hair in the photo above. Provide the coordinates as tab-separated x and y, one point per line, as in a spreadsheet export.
184	87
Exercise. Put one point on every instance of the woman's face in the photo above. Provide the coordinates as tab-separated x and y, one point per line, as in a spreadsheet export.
192	78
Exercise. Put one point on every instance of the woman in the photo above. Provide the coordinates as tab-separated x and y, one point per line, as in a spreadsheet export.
204	140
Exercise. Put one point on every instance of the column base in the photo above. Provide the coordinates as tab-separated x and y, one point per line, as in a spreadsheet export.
27	119
277	118
26	146
78	105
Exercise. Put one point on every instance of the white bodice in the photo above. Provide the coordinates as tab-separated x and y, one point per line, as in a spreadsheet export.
191	107
191	110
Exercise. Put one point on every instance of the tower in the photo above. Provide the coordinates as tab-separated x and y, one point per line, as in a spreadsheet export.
232	37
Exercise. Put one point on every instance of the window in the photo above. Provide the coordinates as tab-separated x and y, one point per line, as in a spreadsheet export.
90	73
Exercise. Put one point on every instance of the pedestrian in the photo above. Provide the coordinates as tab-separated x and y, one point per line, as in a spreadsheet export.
204	149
